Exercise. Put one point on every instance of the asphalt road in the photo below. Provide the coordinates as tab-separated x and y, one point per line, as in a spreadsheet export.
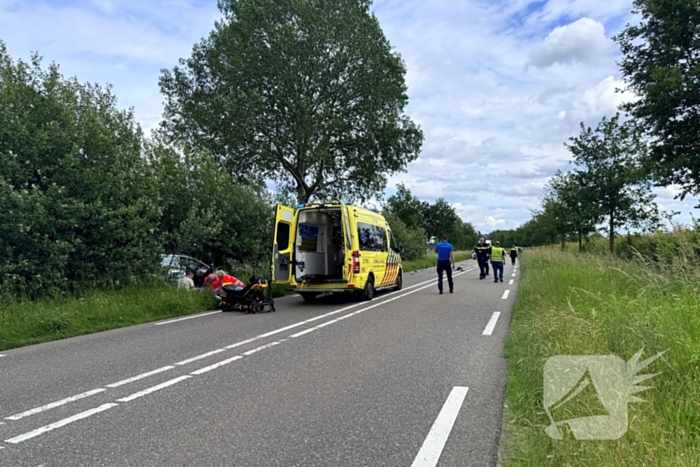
412	378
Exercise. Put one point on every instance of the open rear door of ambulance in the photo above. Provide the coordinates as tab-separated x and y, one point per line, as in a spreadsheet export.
347	233
282	248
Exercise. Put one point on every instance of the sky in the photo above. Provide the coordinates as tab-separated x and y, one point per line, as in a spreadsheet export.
497	86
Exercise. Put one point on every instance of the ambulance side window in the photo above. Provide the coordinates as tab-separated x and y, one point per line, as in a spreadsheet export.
380	239
371	237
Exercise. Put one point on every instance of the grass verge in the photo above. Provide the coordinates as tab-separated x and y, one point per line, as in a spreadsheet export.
569	304
24	323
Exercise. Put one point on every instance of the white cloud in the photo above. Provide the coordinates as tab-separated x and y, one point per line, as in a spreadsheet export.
494	127
582	41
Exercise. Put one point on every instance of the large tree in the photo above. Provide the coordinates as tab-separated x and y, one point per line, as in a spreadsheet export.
661	63
305	93
608	165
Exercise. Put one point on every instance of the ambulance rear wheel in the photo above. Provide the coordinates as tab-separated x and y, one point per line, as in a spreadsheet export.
309	297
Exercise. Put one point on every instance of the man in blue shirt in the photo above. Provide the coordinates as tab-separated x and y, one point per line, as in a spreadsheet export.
446	258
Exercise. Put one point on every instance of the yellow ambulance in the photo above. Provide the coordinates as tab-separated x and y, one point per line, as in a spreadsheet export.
322	248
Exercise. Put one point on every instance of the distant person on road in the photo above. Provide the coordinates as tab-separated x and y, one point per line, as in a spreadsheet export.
446	258
187	282
498	257
483	252
513	254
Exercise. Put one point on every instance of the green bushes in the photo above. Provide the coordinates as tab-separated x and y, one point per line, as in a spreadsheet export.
88	202
77	201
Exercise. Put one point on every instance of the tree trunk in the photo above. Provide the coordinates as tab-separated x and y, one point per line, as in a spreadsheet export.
563	242
580	245
302	195
612	231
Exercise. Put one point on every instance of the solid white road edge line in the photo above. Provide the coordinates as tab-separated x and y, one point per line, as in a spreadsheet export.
59	424
306	331
491	324
138	377
216	365
188	317
153	389
511	282
199	357
505	294
54	404
434	443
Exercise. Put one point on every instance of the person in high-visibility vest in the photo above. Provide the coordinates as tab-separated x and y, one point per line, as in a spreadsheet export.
498	257
513	254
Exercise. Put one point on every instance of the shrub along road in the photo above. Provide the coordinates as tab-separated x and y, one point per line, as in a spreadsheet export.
409	378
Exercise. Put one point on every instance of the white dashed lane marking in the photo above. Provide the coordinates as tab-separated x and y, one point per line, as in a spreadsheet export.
434	443
491	324
54	404
141	376
153	389
59	424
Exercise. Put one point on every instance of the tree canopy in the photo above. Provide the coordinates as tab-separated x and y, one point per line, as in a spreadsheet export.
305	93
608	166
661	64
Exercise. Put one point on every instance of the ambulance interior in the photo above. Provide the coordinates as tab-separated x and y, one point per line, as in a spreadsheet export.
319	247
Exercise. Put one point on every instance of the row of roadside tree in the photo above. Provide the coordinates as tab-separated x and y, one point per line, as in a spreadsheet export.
654	142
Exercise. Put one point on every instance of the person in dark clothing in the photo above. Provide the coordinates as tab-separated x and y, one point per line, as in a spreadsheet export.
513	254
483	253
446	258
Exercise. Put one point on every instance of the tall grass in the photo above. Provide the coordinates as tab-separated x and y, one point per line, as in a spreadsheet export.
571	304
23	322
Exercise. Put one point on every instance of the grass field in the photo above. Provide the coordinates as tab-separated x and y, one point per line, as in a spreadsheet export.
569	304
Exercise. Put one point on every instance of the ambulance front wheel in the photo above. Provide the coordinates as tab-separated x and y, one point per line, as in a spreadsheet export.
399	282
